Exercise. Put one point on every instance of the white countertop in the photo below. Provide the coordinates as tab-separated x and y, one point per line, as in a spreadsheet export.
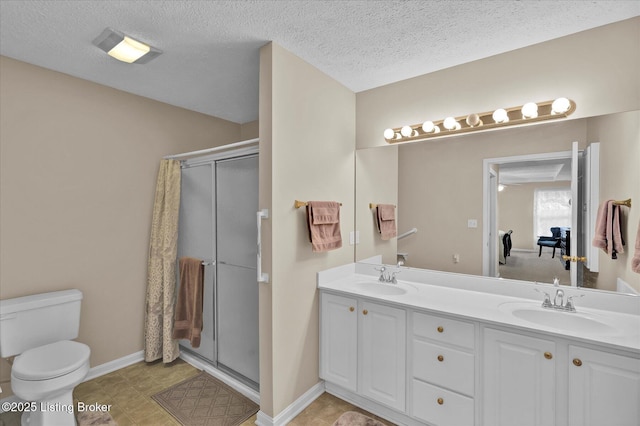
619	330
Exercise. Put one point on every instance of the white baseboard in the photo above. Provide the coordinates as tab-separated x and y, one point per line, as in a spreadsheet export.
230	381
295	408
116	364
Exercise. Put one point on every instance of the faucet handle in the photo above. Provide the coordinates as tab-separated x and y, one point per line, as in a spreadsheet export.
569	305
546	303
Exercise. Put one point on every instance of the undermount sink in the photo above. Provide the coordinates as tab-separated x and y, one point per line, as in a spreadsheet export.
383	289
560	320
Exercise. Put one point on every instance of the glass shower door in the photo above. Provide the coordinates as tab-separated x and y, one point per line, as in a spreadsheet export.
196	238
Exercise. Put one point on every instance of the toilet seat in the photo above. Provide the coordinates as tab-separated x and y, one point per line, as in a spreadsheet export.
50	361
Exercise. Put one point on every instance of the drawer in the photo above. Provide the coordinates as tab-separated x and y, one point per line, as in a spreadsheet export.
443	366
441	407
446	330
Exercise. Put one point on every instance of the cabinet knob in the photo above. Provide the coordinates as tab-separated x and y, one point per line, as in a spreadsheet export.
440	329
365	312
440	358
440	401
548	355
351	309
577	362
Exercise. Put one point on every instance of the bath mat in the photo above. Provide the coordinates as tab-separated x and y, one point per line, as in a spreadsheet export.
204	400
94	418
351	418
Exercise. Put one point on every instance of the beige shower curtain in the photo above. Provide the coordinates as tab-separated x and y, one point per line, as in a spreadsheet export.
161	275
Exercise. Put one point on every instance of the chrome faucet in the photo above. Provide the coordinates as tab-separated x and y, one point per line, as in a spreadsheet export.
386	277
558	301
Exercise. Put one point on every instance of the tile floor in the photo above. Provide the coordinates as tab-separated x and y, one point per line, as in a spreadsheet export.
129	391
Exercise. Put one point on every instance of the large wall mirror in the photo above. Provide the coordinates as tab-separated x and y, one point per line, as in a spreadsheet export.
437	186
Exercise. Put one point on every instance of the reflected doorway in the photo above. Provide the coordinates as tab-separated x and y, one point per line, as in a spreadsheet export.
510	208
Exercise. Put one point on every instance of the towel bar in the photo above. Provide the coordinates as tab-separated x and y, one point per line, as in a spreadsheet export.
297	204
626	202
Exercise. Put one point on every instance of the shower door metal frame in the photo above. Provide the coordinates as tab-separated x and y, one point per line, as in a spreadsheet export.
212	159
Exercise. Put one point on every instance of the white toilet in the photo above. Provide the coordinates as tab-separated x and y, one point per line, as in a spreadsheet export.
39	329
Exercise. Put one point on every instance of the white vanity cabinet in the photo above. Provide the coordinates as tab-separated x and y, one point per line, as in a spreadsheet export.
539	380
519	385
604	388
442	370
339	340
438	355
382	353
363	348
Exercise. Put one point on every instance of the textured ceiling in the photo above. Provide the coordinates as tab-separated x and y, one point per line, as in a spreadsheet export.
211	48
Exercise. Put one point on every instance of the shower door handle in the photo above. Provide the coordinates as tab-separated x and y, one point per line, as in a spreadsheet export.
262	277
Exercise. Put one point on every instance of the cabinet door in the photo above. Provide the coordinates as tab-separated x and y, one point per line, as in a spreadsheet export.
339	340
604	389
382	354
519	380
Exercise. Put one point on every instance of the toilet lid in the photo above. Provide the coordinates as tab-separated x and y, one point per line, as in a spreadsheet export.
50	361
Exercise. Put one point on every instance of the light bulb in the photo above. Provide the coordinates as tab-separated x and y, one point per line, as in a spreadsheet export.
428	127
406	131
560	106
500	116
501	188
450	123
389	134
436	129
529	110
473	120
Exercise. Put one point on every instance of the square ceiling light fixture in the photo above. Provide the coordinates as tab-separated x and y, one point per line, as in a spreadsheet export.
124	48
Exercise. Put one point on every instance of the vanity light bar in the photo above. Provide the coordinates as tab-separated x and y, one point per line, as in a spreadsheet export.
527	113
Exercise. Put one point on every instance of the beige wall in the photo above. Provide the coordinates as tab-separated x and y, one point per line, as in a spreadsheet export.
309	137
597	68
515	212
619	136
78	169
249	130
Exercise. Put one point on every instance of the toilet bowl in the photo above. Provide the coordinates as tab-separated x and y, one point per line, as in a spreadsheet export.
47	376
48	365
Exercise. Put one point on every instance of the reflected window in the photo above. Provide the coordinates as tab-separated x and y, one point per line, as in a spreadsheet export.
551	208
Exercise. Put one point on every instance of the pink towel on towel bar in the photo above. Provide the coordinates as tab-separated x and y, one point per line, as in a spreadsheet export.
188	313
608	235
323	221
386	220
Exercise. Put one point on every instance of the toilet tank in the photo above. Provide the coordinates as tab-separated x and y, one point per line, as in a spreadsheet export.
31	321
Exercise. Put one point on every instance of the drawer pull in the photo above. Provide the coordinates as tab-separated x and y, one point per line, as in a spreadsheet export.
577	362
440	329
440	358
351	309
548	355
365	312
440	401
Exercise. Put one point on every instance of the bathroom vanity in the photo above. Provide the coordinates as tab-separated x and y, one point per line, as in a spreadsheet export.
448	349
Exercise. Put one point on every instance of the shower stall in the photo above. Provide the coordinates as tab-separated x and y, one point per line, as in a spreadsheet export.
217	223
